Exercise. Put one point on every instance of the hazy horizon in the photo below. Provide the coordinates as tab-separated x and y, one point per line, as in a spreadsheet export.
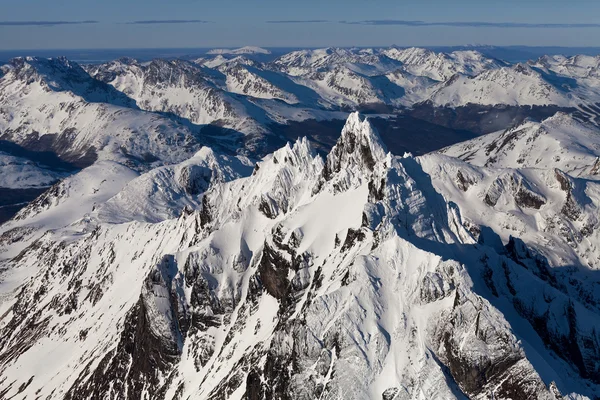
38	24
285	48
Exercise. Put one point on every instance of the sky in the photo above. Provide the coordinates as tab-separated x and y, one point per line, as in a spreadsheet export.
91	24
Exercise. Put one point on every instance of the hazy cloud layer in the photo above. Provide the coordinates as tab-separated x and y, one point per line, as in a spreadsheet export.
297	21
168	21
44	23
473	24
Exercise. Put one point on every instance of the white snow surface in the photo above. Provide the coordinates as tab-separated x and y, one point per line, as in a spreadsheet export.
358	276
56	97
556	142
21	173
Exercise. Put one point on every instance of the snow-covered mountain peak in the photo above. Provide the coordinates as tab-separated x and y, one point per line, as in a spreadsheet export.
237	61
300	150
279	183
579	66
512	85
355	155
558	141
62	75
375	289
359	127
561	119
164	192
441	66
297	159
53	71
241	50
44	65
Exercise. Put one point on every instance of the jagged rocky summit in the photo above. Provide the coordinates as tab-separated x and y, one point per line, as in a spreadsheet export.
361	275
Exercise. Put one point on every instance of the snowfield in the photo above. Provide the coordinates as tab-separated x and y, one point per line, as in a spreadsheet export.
21	173
470	273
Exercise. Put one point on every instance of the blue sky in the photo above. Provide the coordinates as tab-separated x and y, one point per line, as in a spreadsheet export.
77	24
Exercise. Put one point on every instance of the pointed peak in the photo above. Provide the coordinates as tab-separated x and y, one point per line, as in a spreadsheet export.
360	128
205	153
560	118
301	148
301	152
356	152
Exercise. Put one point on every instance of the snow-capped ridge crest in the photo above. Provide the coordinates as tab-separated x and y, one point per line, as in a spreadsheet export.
241	50
41	69
298	152
279	182
59	74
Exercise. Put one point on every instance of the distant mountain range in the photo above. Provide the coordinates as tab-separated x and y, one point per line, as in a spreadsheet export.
249	102
508	53
241	50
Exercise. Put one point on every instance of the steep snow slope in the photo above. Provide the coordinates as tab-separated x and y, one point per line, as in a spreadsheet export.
540	183
550	210
164	192
64	204
53	101
514	85
177	87
20	173
250	81
557	142
350	277
442	66
537	195
363	61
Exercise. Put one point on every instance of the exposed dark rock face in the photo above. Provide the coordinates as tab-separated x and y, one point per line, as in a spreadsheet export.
195	179
268	207
570	209
596	167
529	199
273	271
350	145
376	190
145	354
353	236
463	182
563	180
516	186
575	345
500	372
205	212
